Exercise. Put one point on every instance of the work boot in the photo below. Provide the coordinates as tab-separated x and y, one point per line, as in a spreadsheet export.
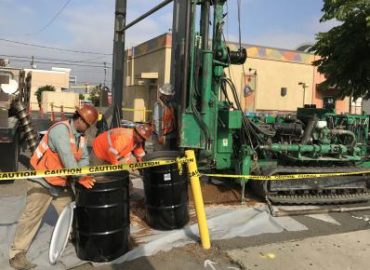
20	262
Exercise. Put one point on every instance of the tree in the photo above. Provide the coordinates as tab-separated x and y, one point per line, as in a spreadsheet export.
95	95
81	97
345	49
41	89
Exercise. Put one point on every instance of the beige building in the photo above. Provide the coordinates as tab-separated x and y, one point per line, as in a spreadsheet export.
147	66
278	80
59	78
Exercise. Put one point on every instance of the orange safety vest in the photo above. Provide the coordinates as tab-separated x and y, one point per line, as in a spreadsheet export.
45	159
117	145
168	120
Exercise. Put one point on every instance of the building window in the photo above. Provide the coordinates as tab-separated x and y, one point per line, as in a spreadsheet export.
283	91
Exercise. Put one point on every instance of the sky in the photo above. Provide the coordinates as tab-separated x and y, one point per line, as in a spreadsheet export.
87	26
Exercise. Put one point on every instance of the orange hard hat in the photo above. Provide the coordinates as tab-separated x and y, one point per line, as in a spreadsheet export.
144	130
88	113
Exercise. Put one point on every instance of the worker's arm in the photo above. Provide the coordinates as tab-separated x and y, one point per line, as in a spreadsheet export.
139	153
59	142
84	161
157	118
112	158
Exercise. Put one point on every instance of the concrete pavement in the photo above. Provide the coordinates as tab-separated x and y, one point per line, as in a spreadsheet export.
347	251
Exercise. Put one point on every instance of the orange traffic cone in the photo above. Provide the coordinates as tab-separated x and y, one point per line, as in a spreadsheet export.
62	116
52	113
41	113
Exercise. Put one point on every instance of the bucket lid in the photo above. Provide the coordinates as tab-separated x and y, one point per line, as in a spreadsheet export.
61	233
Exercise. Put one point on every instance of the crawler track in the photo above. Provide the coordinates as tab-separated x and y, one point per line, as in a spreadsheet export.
329	190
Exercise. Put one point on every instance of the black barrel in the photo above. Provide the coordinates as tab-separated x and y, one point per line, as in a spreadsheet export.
102	218
166	193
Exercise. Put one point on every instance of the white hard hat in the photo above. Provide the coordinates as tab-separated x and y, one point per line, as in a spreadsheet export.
167	89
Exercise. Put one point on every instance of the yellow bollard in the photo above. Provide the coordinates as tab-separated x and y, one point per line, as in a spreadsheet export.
198	199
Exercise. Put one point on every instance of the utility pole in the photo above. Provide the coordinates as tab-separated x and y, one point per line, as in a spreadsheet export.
33	65
105	73
118	72
304	86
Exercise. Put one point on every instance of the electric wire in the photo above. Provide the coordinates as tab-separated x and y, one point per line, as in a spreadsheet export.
62	63
52	48
40	58
52	19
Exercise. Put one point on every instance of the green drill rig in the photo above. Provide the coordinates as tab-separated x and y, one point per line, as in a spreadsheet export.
227	141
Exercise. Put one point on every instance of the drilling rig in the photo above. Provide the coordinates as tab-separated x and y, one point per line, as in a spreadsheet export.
212	122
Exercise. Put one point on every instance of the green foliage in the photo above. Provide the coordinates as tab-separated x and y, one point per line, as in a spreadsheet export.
81	97
95	95
345	49
41	89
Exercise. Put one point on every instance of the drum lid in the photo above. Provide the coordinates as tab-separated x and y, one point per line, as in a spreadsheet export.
61	233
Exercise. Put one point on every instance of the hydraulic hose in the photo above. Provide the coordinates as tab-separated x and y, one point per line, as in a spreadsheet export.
309	129
345	132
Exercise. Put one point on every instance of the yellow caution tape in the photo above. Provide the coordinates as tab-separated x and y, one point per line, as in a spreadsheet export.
86	170
285	177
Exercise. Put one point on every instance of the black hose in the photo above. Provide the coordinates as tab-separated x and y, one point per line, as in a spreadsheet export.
264	131
224	91
345	132
309	130
249	130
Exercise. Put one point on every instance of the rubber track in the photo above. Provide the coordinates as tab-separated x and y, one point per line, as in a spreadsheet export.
320	199
333	198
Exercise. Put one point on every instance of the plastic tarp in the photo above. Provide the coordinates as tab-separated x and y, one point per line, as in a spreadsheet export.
223	221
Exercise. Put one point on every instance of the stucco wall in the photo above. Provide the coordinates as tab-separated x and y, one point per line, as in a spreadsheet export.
66	99
155	62
44	77
271	70
270	78
153	56
135	103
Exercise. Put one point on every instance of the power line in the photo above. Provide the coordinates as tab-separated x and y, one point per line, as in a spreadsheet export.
59	63
37	58
97	57
52	48
54	18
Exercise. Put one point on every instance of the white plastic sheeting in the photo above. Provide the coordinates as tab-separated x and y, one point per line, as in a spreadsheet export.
223	221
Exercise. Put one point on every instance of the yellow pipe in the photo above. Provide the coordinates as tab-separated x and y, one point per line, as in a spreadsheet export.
198	199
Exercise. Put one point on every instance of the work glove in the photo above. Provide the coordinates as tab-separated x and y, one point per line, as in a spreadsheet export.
87	181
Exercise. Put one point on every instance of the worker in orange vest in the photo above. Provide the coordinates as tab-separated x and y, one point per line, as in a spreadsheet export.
164	119
63	146
121	145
